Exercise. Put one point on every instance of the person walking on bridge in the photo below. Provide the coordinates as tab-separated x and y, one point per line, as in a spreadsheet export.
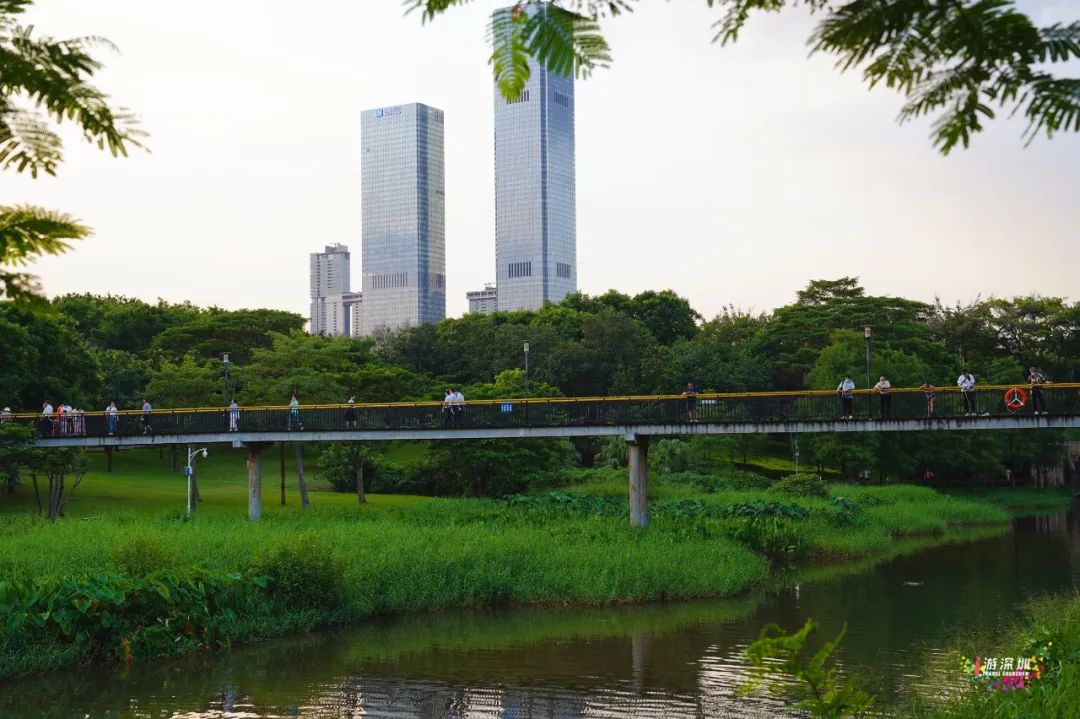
5	415
234	416
457	401
448	408
147	427
350	412
846	389
691	394
111	418
1036	380
46	419
931	396
966	383
294	414
884	396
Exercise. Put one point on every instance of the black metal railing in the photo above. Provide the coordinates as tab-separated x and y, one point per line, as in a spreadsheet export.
762	408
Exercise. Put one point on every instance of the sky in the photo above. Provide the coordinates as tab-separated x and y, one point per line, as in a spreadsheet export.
732	175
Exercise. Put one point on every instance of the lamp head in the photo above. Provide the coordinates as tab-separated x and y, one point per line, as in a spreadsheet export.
204	453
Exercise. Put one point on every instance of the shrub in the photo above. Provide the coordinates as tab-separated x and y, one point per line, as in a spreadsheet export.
770	536
144	553
760	508
801	485
304	571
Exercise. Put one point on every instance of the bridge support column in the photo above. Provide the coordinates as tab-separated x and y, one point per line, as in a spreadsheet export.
254	468
639	480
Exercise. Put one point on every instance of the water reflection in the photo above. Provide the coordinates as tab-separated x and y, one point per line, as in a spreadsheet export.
680	660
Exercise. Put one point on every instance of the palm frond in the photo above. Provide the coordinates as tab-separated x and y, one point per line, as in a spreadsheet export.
565	42
509	55
430	8
27	232
53	76
27	142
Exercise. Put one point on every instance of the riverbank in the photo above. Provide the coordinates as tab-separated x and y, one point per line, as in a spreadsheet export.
102	582
1045	633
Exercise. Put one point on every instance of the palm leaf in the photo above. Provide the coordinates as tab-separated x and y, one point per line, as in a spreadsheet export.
565	42
509	56
27	232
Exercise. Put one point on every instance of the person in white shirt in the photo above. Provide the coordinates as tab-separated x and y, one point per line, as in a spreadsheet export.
846	389
457	400
1035	381
234	416
5	415
111	418
46	418
883	386
147	428
966	383
448	408
350	412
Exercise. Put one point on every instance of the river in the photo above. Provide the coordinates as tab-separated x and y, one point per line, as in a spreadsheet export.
665	660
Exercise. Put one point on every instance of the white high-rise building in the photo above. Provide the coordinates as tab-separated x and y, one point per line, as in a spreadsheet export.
334	307
482	302
535	221
403	198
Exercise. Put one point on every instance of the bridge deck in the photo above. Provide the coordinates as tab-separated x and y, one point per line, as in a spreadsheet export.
1058	406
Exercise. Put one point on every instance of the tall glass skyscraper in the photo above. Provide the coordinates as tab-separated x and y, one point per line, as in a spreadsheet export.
535	221
404	233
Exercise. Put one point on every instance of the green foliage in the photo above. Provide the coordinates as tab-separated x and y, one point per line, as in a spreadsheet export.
337	464
669	455
304	571
46	82
757	508
801	485
777	657
187	383
113	616
713	483
492	468
956	61
771	537
143	553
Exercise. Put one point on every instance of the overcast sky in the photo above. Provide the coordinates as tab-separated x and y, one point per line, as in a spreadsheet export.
731	175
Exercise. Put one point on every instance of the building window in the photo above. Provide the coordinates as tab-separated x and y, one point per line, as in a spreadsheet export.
562	269
523	97
561	99
437	281
389	280
520	269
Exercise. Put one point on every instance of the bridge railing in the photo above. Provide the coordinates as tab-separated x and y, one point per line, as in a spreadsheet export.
761	407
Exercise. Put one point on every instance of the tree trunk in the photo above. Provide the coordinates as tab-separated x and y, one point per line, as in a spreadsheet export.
108	459
300	475
37	493
361	497
195	485
281	446
172	457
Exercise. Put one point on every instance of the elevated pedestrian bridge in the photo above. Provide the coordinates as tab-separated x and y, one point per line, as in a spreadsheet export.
636	419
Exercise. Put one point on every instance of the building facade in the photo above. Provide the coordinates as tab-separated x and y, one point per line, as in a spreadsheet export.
330	279
535	218
404	226
337	315
482	302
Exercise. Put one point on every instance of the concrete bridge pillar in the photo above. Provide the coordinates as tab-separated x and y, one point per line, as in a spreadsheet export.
639	480
254	468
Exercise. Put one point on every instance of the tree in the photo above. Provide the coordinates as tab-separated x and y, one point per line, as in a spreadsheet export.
16	453
956	60
45	82
213	333
187	383
58	466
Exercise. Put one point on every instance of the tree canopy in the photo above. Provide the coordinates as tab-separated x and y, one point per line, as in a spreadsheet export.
960	62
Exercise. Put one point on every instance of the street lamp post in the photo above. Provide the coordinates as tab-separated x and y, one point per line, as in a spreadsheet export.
867	333
225	360
526	348
189	472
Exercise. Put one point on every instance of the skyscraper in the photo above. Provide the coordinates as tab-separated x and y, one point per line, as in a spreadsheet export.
404	233
535	222
333	305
